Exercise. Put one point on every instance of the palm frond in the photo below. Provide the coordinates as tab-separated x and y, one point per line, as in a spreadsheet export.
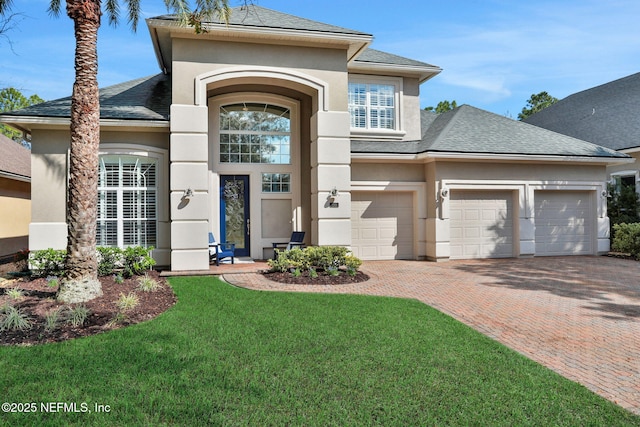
54	8
5	6
134	13
112	7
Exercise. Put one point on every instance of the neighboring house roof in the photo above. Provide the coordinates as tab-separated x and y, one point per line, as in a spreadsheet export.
469	130
606	115
15	160
147	98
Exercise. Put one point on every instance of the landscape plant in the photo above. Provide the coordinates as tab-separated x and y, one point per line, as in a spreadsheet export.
626	239
331	260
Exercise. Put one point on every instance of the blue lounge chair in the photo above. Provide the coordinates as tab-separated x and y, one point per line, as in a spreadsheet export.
218	251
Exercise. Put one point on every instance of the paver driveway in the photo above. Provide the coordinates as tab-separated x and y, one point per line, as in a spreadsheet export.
579	316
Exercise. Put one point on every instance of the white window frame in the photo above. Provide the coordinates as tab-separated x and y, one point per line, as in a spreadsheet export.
160	157
367	132
626	173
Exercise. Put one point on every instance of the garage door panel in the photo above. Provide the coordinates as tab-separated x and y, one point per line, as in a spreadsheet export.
382	225
564	223
481	224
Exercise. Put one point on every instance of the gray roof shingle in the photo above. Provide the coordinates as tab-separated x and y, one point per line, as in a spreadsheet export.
606	115
261	17
147	98
470	130
14	158
373	56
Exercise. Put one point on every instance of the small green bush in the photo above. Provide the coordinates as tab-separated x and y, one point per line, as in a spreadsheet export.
47	262
148	284
109	260
127	302
52	319
15	293
13	319
137	260
627	239
78	315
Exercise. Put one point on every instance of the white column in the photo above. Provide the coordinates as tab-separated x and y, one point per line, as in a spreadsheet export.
189	171
331	170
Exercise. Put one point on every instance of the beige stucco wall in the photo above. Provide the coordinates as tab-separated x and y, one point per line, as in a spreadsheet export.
192	58
387	172
15	214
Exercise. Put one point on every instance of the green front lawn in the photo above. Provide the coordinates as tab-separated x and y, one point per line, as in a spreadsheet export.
228	356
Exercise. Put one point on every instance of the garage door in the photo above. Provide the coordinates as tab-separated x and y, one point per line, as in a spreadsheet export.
382	225
481	224
564	223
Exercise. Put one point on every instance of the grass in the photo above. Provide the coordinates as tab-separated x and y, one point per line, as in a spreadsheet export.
228	356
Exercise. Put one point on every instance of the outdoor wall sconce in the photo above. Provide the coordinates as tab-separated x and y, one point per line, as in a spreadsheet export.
444	192
188	193
334	192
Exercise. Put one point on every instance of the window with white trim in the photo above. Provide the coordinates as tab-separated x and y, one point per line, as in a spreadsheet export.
372	106
255	133
127	201
276	182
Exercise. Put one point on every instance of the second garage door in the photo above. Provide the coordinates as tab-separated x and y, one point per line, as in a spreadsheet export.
564	223
382	225
481	224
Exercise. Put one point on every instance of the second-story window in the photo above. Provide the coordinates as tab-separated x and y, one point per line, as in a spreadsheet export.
372	106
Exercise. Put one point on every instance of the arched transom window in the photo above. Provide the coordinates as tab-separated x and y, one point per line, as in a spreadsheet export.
255	133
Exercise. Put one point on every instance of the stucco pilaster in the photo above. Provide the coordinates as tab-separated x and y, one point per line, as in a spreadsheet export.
189	187
331	178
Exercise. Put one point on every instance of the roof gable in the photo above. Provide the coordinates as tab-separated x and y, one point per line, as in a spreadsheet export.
606	115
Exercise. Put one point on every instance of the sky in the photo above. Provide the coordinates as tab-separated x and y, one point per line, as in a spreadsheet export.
494	53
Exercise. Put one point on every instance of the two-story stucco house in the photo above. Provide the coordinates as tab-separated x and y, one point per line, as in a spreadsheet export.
276	123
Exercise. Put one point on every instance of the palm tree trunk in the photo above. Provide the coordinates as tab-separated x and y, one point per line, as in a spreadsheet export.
80	282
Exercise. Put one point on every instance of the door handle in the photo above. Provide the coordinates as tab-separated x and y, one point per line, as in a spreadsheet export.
248	226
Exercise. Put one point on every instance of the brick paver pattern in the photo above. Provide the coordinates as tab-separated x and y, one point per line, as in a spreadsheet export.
579	316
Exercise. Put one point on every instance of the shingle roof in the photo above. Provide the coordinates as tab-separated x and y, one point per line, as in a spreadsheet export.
470	130
378	57
14	158
257	16
147	98
606	115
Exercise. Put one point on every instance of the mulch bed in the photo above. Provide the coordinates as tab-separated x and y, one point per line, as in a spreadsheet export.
323	279
39	299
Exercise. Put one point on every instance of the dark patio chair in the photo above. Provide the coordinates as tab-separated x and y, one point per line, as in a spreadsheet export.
218	251
296	241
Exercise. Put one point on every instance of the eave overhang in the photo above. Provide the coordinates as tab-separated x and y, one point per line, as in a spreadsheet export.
162	30
489	157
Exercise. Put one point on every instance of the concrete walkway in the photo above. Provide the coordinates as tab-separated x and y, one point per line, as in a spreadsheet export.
579	316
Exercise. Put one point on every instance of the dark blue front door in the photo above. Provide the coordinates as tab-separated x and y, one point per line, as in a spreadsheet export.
234	212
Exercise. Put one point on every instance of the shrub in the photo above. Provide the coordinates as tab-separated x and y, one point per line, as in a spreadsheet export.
52	319
627	239
47	262
52	281
148	284
137	260
78	315
127	302
13	319
109	260
15	293
118	279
